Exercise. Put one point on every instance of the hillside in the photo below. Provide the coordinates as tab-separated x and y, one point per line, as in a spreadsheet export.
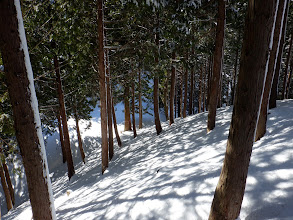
173	175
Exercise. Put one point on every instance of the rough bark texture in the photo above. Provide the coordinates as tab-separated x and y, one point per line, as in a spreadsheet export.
180	108
133	109
254	57
200	92
166	107
274	89
139	101
172	90
61	137
109	110
262	120
103	94
115	125
190	108
9	184
79	137
68	153
5	189
289	80
19	79
217	67
287	68
234	76
204	90
127	123
185	92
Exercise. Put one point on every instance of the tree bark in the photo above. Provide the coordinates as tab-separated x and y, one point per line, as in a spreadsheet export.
139	101
109	109
204	90
6	190
68	153
79	136
27	122
180	109
103	94
289	80
185	92
274	89
166	107
254	57
172	90
133	109
287	68
8	180
115	125
200	91
218	53
61	136
127	124
234	75
190	109
262	120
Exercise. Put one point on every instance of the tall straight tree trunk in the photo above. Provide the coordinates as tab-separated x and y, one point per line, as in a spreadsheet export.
109	108
209	80
133	109
103	94
172	90
287	68
181	95
61	136
200	91
262	120
156	86
220	91
68	153
204	90
79	135
234	76
289	80
9	183
27	122
127	123
185	92
217	67
139	101
190	108
115	125
254	57
166	107
274	89
5	189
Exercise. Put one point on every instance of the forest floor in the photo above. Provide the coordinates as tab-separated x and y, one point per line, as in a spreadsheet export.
170	176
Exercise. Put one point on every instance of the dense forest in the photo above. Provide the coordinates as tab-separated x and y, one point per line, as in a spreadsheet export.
61	60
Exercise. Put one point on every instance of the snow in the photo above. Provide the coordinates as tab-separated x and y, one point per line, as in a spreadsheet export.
34	102
173	175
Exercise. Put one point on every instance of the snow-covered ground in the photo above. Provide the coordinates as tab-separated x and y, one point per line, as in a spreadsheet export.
170	176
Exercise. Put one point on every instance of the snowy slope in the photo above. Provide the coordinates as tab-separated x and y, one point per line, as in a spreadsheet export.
173	175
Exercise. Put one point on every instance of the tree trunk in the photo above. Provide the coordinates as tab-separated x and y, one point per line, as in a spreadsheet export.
180	111
185	92
166	107
262	120
8	180
133	109
109	109
115	125
139	101
79	136
5	189
204	90
103	94
127	124
274	89
27	122
289	80
209	80
61	137
172	90
254	57
200	91
190	108
287	68
218	53
64	120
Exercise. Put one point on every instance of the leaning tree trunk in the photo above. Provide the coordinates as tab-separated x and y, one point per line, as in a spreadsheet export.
217	68
9	183
61	136
127	124
64	119
5	189
103	95
139	101
27	122
262	120
79	135
254	57
109	110
287	68
115	125
133	109
172	90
